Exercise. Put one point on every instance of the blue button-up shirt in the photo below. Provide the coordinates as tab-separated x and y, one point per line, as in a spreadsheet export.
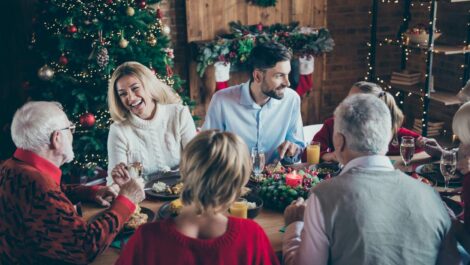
266	127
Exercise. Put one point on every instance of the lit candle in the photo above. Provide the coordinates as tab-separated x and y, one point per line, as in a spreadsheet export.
293	180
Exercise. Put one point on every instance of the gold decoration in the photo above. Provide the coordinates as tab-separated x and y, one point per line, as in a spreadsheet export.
46	73
123	43
152	40
130	11
166	29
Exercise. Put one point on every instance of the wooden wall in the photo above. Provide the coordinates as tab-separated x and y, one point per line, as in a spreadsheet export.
207	19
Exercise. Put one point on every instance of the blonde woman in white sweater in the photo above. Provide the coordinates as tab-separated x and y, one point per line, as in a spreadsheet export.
150	126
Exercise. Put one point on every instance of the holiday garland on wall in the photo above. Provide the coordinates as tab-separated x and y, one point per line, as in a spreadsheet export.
80	44
264	3
235	47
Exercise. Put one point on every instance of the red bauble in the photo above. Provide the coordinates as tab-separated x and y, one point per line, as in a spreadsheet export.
159	13
169	71
142	4
259	27
63	60
87	120
72	29
109	2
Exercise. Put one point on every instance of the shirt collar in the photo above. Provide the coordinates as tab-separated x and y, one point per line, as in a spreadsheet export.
372	162
43	165
246	99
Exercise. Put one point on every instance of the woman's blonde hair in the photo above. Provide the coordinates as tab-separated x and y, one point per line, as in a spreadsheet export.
461	123
214	167
395	112
159	91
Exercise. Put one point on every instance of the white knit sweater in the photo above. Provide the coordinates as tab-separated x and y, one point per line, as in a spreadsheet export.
156	143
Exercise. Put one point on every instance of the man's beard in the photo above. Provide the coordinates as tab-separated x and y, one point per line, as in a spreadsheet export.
272	93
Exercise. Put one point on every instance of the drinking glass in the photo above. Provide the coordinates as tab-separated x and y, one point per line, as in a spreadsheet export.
407	149
313	153
239	208
258	159
448	165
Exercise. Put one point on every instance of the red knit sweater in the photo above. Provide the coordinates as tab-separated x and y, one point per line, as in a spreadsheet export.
325	137
38	222
244	242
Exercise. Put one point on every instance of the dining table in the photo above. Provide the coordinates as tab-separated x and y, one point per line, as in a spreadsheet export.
271	221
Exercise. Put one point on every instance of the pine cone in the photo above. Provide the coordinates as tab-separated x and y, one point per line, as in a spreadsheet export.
102	57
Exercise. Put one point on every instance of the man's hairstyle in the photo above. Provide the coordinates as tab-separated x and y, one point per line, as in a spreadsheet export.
266	55
214	167
158	90
34	123
365	122
461	123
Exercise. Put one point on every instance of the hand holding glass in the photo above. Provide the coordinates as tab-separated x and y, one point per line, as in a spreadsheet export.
407	149
448	164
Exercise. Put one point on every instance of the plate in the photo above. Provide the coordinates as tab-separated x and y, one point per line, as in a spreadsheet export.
169	180
125	231
432	172
325	168
453	205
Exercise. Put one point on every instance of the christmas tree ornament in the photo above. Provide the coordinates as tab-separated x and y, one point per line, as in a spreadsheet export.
142	4
130	11
109	2
222	75
72	28
306	67
169	71
63	60
159	13
166	30
87	120
152	40
123	43
259	27
102	57
46	73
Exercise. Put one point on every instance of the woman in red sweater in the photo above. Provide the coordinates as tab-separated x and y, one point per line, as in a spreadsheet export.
214	168
325	135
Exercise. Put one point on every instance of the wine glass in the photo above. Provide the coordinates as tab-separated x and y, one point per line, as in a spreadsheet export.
407	149
258	159
448	165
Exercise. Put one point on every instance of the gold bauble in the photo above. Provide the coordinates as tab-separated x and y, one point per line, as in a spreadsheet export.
46	73
166	29
130	11
123	43
151	40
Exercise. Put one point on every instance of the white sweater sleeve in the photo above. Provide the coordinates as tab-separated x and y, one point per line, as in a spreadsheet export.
187	127
117	150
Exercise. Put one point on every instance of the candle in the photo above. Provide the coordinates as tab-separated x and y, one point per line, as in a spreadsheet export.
293	180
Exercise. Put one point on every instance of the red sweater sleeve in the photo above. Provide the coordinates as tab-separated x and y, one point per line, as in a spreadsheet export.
80	193
58	233
132	252
325	137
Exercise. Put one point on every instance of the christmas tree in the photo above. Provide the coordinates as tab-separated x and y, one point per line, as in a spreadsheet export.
80	43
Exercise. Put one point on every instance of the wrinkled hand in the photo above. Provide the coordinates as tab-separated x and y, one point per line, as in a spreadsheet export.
329	157
287	148
105	195
463	165
431	147
132	188
295	211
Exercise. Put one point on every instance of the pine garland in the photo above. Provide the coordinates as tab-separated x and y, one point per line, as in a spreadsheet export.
264	3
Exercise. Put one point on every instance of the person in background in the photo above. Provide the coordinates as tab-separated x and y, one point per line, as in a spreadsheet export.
325	135
370	213
264	111
214	168
151	126
38	222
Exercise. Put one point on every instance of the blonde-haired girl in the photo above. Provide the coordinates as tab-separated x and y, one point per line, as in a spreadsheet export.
151	126
214	168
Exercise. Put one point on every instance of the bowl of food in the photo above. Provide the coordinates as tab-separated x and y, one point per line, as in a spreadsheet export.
326	170
255	203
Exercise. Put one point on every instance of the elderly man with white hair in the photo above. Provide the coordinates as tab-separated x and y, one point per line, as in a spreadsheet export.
370	213
38	222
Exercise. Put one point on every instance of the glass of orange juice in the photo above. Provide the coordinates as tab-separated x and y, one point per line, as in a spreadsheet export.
313	153
239	208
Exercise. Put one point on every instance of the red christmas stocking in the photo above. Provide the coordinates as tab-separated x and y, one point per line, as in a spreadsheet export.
222	75
306	66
